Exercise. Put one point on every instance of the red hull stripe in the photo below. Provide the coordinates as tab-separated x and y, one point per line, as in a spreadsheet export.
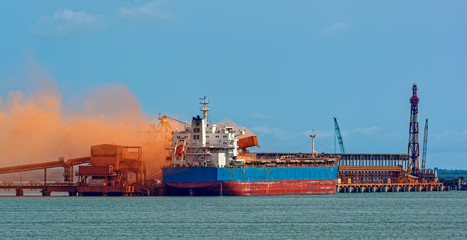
291	187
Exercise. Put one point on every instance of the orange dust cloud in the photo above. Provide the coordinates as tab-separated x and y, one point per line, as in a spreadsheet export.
38	127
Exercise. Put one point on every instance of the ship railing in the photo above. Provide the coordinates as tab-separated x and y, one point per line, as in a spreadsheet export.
3	185
294	163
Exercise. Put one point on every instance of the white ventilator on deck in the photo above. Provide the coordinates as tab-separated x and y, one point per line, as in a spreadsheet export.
205	145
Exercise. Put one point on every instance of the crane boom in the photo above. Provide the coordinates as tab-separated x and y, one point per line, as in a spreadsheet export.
339	137
425	141
176	120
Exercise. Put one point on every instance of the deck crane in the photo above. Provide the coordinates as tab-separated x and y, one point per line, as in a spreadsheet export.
339	137
161	129
174	119
425	141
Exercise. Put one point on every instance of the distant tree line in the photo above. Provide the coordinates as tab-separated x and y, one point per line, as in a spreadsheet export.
451	173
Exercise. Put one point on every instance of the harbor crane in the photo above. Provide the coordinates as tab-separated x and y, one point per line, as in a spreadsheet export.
339	136
425	141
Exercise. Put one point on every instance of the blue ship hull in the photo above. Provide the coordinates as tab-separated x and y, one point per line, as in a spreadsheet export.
250	181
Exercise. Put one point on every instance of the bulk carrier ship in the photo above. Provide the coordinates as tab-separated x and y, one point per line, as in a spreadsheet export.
210	159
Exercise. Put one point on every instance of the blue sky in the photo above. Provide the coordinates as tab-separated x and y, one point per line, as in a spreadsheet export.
279	68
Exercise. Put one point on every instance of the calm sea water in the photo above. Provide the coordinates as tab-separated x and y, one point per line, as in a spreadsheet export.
416	215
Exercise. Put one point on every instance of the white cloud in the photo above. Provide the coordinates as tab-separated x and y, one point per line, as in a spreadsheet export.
393	135
66	22
369	131
335	28
260	116
267	130
150	12
446	133
276	133
75	18
450	134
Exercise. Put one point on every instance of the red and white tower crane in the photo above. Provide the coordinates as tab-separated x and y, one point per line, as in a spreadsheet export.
414	148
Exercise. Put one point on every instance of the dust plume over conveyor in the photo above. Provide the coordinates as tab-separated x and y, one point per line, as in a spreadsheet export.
38	127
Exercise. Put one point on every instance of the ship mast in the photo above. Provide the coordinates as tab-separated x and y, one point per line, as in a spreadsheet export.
313	135
204	106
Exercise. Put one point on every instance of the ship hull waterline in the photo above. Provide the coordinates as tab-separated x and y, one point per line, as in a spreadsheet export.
207	181
252	188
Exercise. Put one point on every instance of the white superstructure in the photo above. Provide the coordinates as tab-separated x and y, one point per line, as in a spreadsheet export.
205	145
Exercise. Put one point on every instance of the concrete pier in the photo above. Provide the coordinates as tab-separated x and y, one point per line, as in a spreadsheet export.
390	187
